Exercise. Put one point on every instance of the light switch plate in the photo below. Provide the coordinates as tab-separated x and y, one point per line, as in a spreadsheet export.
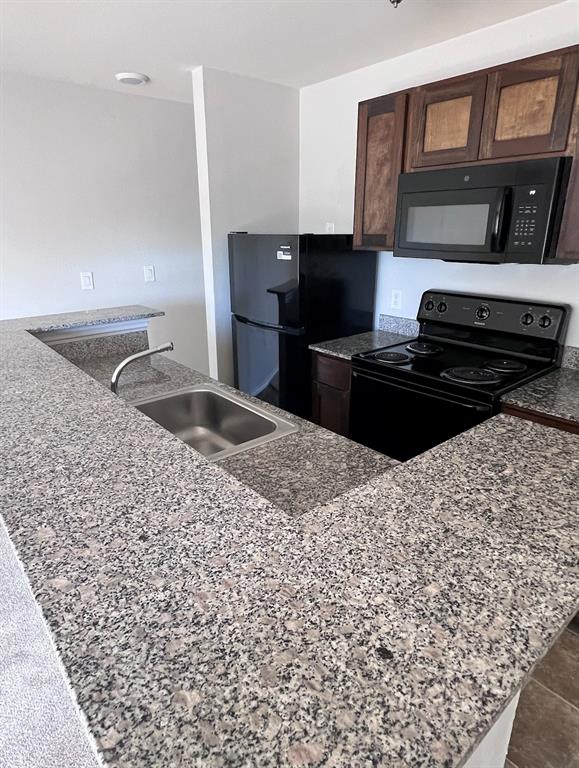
330	228
86	281
149	273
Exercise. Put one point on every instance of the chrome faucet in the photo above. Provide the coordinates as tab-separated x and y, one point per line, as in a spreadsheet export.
167	347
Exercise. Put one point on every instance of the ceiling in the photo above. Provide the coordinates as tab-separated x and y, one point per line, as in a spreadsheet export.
294	42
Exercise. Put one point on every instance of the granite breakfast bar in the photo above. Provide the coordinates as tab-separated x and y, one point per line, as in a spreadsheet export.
201	624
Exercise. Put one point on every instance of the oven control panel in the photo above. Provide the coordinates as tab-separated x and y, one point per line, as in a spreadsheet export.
535	319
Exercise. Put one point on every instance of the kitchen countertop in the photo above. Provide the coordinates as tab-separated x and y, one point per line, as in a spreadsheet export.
466	600
79	319
360	342
199	623
555	395
303	469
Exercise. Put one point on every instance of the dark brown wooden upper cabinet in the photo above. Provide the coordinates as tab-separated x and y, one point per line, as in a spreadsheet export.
445	122
529	105
381	125
568	245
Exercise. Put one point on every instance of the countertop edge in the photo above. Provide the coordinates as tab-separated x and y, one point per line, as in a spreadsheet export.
80	319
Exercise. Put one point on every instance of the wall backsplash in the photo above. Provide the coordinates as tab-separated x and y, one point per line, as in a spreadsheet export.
571	358
404	325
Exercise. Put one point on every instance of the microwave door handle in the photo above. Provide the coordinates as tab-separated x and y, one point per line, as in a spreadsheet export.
500	218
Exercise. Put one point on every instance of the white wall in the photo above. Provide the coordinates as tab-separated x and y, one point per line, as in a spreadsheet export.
106	182
328	113
248	157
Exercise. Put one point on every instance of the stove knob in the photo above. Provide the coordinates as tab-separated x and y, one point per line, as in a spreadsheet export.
482	312
429	306
545	321
442	306
527	319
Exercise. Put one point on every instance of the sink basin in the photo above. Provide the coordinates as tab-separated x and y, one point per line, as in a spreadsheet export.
214	422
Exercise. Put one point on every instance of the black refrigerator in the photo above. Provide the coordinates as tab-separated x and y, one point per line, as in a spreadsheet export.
289	291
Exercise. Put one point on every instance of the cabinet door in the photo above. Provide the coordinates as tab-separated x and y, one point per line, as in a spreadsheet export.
381	124
331	408
568	245
332	371
529	105
445	122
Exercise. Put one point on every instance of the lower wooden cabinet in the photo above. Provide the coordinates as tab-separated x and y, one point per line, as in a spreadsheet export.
331	408
331	393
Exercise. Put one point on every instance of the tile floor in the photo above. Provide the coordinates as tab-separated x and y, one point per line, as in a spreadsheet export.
546	729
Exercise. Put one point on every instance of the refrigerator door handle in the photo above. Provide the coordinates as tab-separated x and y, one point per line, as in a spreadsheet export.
283	329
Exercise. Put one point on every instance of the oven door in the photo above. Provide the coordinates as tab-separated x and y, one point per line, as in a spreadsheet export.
402	421
454	225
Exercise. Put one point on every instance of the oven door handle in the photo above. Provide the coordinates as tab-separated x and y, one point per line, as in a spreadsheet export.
419	391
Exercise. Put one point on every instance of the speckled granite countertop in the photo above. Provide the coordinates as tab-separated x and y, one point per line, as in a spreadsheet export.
360	342
296	472
555	395
483	544
201	625
81	318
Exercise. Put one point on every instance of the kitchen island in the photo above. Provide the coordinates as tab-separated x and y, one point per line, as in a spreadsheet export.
201	624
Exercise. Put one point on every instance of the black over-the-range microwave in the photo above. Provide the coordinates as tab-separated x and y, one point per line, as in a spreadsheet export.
508	212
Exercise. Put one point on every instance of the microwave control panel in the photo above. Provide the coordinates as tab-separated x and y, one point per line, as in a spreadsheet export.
530	214
539	320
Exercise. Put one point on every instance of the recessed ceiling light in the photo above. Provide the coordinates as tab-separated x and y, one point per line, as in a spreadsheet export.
132	78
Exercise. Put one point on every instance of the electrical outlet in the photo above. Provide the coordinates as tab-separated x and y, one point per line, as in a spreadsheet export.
86	281
330	228
149	273
396	299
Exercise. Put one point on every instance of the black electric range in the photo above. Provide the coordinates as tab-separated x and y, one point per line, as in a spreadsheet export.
471	349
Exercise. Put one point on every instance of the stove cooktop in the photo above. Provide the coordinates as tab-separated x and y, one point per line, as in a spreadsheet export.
473	346
469	351
480	373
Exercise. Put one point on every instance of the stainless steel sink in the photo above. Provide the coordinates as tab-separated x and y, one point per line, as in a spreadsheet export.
214	422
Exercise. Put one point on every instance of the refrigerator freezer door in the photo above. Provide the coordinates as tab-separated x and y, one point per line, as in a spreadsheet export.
272	366
264	278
